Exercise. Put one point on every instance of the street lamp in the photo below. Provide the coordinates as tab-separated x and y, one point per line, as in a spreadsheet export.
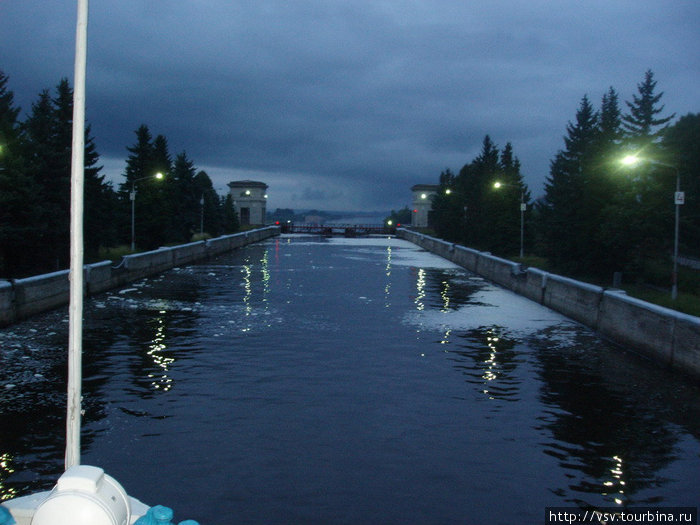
132	196
201	218
678	199
523	207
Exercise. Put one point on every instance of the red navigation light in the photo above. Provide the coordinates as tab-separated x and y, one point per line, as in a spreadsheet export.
277	223
415	211
398	225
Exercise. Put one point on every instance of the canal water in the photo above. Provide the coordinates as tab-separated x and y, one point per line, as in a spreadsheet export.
313	380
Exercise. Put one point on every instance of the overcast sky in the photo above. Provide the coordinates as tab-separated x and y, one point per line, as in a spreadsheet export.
344	105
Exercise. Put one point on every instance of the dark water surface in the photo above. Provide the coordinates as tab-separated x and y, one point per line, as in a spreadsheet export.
305	380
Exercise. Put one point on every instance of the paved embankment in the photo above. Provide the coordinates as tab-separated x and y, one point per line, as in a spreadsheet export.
21	298
665	335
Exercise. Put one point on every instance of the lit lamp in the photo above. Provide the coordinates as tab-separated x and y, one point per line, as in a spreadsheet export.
497	185
132	196
678	199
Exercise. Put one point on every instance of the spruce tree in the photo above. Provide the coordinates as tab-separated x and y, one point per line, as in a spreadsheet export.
49	166
231	223
213	212
448	208
641	123
605	190
506	218
566	222
650	184
152	204
680	143
185	198
20	203
139	163
476	184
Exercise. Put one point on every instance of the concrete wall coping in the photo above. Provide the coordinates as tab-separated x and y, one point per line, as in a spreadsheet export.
486	255
43	277
579	284
187	245
651	307
98	264
148	254
466	249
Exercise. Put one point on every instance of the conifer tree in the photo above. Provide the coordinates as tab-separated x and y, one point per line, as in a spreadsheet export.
185	198
476	183
231	223
151	205
19	196
140	161
650	184
604	190
641	123
448	208
565	224
213	211
48	141
506	218
680	145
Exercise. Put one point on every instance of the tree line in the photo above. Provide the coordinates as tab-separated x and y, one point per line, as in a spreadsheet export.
35	157
597	215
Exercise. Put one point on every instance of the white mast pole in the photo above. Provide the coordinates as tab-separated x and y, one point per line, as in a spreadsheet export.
75	333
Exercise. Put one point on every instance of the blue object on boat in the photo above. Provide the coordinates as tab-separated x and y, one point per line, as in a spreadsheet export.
7	519
158	515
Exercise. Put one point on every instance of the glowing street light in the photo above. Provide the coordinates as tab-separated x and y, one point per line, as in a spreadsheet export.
630	160
678	199
497	185
132	196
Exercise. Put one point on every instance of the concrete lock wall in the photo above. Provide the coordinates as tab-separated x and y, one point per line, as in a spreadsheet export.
22	298
662	334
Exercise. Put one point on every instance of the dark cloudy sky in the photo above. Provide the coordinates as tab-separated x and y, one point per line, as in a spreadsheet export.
347	104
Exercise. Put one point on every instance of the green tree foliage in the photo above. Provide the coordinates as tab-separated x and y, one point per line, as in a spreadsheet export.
152	208
172	209
36	183
19	201
400	217
597	217
469	209
230	222
35	158
448	209
565	221
641	123
640	216
211	207
186	207
680	146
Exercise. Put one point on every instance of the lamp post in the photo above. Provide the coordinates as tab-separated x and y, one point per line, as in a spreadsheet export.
132	196
678	199
201	218
523	207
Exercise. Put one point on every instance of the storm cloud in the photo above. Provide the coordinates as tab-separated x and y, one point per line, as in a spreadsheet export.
345	105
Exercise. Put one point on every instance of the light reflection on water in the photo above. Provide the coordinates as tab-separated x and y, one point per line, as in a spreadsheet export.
347	381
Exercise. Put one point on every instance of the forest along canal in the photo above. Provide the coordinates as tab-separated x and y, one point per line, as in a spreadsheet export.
312	380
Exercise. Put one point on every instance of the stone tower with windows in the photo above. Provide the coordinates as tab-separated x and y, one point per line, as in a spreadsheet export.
249	201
